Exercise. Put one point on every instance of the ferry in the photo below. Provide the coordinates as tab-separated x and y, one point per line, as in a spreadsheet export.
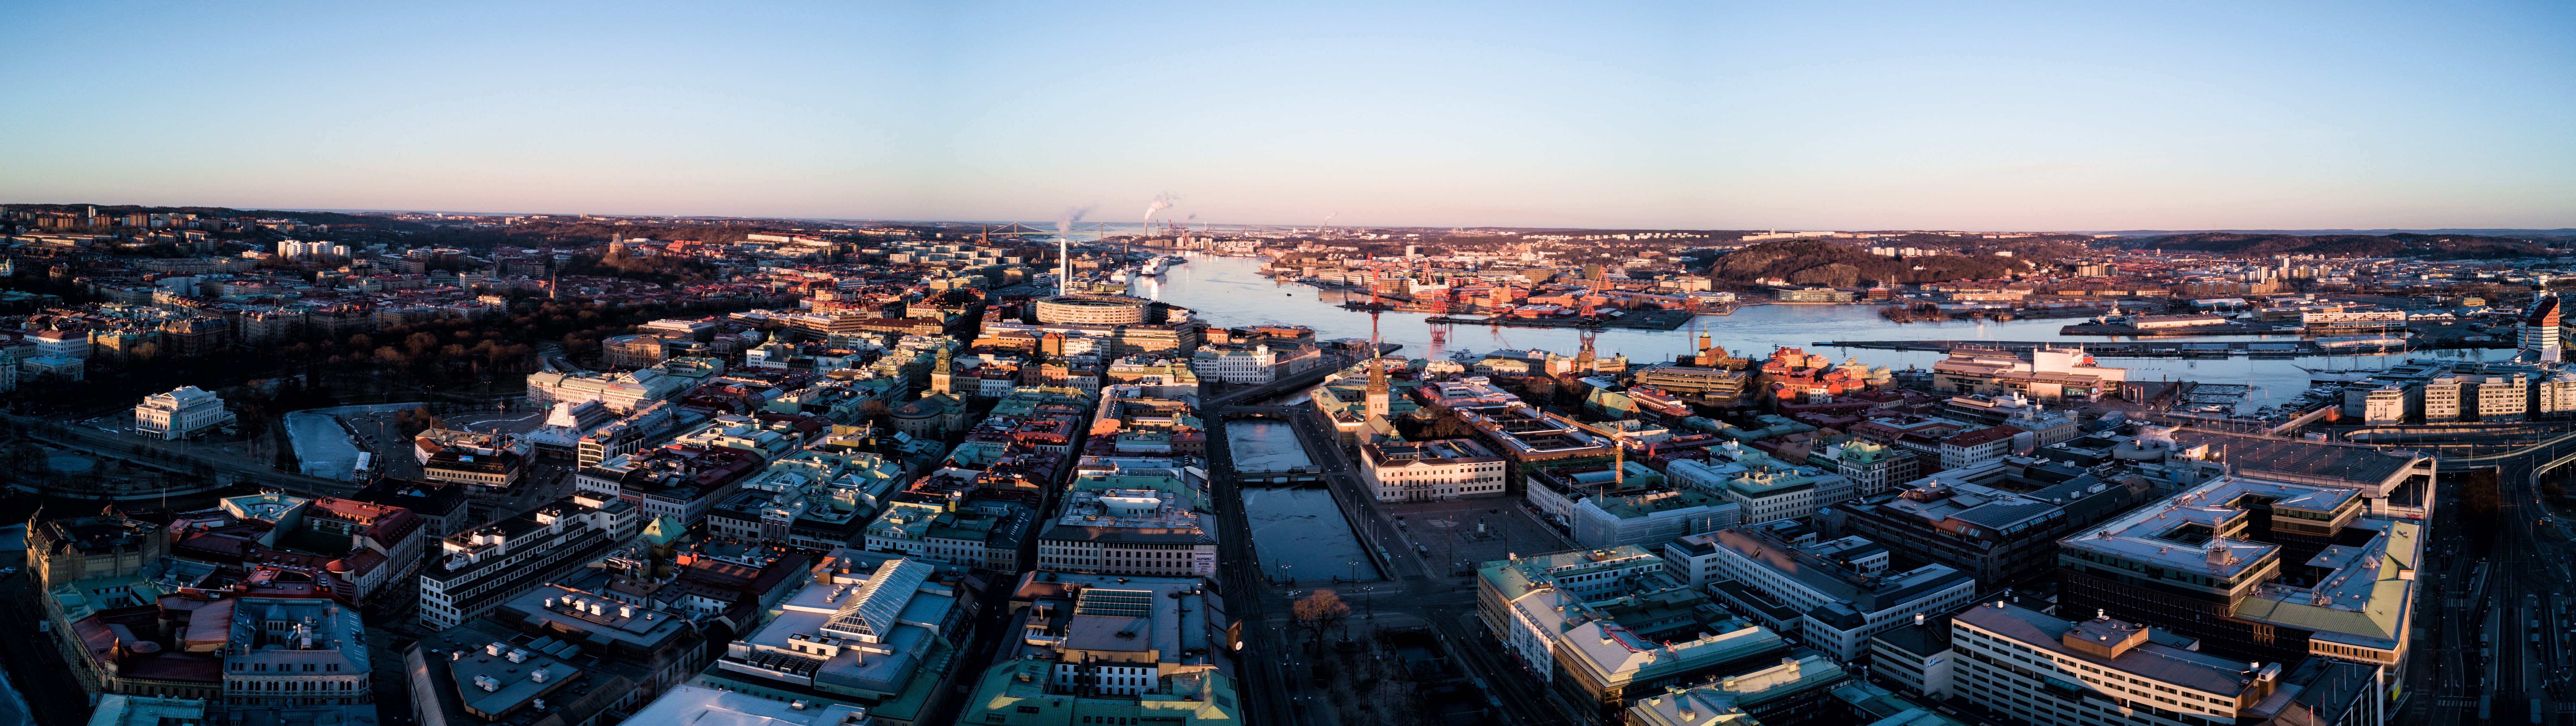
1162	263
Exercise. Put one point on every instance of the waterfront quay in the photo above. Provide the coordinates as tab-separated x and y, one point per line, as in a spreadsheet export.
2156	349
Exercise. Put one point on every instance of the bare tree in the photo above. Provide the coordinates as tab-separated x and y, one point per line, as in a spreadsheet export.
1319	611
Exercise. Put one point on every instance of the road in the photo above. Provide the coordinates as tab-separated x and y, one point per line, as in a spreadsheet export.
180	457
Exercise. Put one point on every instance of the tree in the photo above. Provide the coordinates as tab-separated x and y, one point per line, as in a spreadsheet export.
1449	427
25	456
1540	387
874	410
1319	611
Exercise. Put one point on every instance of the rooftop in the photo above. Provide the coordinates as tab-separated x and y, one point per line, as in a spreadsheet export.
1866	592
2150	659
687	705
2190	532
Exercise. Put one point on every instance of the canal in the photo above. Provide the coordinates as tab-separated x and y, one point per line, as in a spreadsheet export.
1265	446
1301	535
1229	291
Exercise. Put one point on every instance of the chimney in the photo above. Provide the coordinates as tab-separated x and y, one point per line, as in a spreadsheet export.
1918	620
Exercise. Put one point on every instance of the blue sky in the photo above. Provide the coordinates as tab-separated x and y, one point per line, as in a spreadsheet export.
1805	116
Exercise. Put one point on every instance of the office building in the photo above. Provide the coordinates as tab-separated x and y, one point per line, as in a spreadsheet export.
1871	468
1992	522
1917	657
689	705
2255	570
2024	665
2538	336
1797	691
882	635
1761	494
679	481
551	654
1832	594
984	535
2397	483
1103	650
1143	532
477	570
1091	310
294	652
1577	620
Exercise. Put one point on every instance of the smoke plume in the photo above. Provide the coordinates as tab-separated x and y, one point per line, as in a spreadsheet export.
1064	222
1161	202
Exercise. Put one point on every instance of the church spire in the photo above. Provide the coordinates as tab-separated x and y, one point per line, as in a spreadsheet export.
1377	389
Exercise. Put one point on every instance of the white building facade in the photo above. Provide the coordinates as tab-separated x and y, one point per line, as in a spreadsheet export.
179	414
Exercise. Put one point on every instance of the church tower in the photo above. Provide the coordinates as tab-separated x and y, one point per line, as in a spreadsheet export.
939	371
1377	392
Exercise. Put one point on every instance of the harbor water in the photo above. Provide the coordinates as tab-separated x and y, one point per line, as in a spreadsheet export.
1229	291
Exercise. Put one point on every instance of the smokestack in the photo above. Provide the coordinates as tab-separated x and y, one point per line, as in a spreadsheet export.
1161	202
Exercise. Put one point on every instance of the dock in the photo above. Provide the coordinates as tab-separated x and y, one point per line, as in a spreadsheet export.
2226	329
1634	319
2152	349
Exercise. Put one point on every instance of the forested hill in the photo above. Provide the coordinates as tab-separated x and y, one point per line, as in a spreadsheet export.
1814	262
2346	245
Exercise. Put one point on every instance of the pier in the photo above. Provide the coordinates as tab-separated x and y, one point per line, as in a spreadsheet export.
2154	349
1639	319
2221	329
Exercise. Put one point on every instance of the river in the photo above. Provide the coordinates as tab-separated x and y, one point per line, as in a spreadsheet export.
1229	291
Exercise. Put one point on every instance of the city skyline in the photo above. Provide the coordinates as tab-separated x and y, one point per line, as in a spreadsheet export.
1656	116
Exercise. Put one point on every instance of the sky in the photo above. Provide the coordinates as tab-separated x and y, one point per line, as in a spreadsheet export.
2039	116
